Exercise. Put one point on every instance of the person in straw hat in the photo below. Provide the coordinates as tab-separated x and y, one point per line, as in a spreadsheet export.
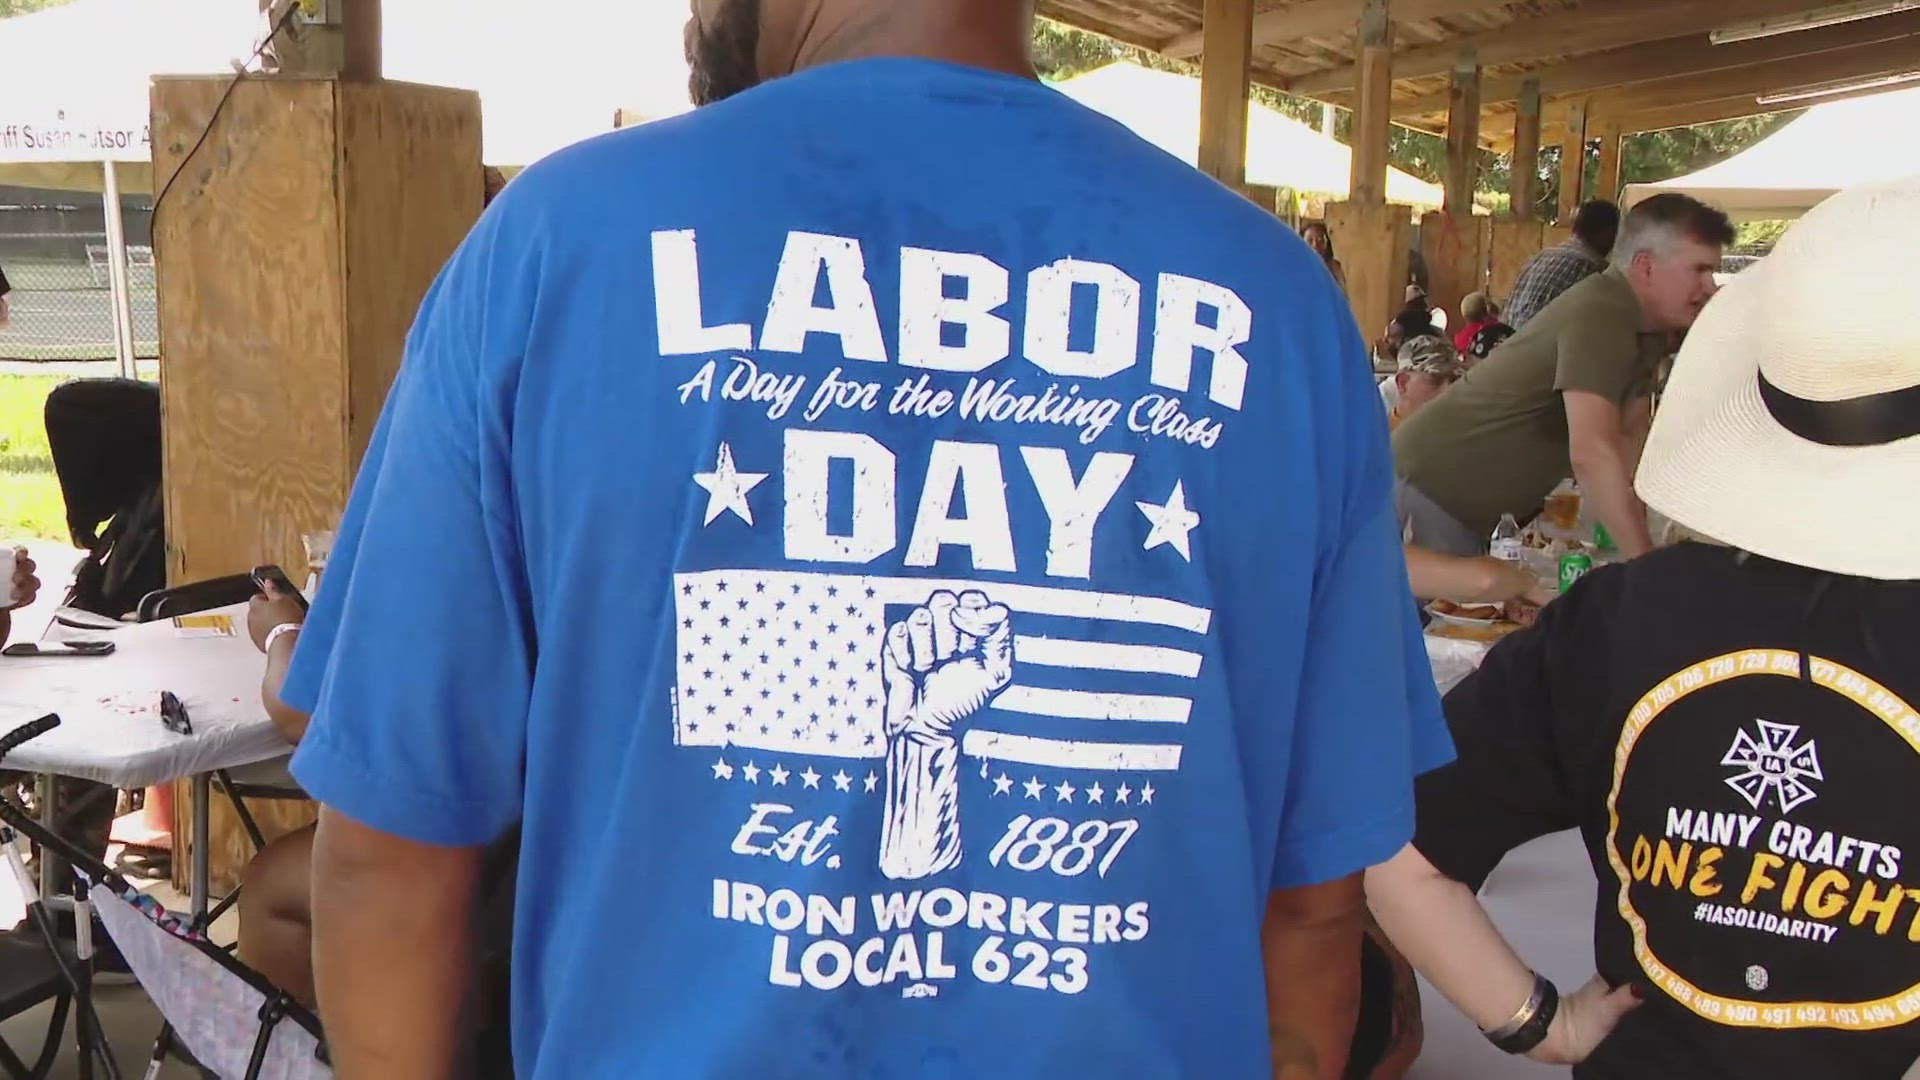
1730	724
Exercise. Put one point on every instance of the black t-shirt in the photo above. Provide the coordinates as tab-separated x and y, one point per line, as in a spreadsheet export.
1735	739
4	287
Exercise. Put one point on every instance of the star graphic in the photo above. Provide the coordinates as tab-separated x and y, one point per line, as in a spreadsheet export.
842	782
1146	794
871	780
722	770
1095	793
1034	787
1002	785
727	487
1063	792
751	772
810	778
1171	523
779	775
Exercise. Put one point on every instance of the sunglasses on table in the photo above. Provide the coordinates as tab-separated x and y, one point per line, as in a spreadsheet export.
173	715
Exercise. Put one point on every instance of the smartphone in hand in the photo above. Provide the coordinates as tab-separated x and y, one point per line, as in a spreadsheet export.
270	572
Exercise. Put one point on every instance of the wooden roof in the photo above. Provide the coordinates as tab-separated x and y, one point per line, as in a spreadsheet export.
1638	64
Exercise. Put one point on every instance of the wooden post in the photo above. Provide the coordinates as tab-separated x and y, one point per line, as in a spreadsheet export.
1225	78
360	26
1524	175
1607	184
1573	160
1373	106
1463	134
294	251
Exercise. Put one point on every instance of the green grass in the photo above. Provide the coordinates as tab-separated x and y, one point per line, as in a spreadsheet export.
30	503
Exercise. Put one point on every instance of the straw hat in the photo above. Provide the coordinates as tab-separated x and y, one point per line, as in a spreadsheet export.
1791	424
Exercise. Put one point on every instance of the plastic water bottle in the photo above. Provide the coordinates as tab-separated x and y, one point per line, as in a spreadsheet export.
1506	542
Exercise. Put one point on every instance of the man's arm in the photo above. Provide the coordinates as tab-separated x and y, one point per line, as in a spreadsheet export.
391	949
1435	576
1598	446
1310	941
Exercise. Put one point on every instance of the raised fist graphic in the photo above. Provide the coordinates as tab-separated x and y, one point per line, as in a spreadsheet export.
940	665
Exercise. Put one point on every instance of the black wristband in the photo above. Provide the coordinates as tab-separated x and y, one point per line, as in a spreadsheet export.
1533	1031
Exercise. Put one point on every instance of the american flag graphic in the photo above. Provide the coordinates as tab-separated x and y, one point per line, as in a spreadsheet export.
790	662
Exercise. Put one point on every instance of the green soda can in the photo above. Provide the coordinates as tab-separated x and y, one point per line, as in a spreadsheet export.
1601	538
1574	565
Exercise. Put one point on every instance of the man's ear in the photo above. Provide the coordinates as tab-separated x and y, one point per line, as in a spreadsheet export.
1400	380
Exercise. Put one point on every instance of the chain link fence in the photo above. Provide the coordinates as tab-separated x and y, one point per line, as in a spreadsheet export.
53	247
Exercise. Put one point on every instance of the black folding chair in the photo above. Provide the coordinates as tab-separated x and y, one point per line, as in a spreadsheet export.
36	963
230	1018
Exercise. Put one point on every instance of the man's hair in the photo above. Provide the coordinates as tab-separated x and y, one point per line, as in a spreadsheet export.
1477	307
1664	218
1596	222
1414	321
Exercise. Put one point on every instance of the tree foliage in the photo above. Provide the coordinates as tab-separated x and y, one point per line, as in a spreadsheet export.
10	8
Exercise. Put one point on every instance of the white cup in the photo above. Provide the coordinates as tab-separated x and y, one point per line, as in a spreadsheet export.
7	596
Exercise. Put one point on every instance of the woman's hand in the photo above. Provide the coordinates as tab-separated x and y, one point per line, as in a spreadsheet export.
268	610
25	584
1586	1017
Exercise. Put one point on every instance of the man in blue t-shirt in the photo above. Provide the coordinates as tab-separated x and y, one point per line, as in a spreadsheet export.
918	565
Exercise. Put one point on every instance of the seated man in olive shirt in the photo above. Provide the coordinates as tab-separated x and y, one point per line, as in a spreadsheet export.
1561	396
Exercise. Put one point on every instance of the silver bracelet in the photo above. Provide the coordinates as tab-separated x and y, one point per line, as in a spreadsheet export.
1525	1013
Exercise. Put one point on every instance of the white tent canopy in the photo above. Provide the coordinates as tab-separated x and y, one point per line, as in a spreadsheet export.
73	79
1833	146
1163	107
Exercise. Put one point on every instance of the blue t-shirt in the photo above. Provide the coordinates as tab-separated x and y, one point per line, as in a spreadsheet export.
919	563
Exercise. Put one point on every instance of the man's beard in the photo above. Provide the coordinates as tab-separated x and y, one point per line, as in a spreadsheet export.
722	53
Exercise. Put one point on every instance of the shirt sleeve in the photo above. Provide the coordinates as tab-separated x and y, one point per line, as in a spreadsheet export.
416	660
1368	718
1521	725
1600	355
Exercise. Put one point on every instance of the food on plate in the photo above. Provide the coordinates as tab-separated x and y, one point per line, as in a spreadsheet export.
1482	612
1465	632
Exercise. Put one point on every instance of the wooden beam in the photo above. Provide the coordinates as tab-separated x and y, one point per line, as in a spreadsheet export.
1463	134
1592	27
1861	62
360	24
1573	162
1224	83
1707	112
1314	18
1373	87
1692	54
1606	183
1524	173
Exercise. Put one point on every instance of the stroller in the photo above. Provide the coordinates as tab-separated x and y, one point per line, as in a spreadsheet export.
105	439
234	1023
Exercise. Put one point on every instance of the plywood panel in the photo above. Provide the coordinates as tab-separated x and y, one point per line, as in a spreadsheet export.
1511	243
1456	252
1373	243
293	252
252	335
410	189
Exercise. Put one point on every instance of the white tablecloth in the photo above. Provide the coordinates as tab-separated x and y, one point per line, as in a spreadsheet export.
109	706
